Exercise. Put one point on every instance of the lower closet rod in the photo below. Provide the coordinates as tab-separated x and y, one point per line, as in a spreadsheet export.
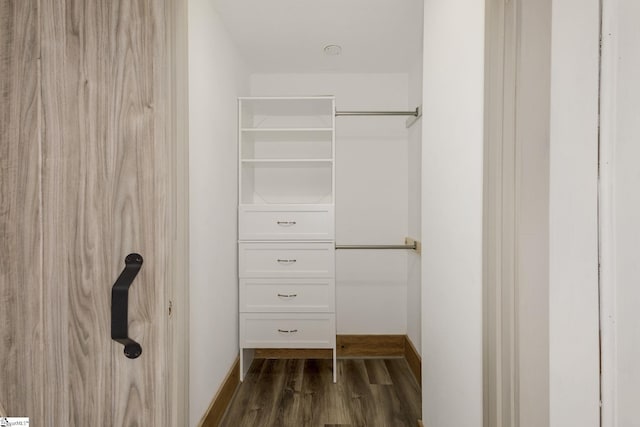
413	246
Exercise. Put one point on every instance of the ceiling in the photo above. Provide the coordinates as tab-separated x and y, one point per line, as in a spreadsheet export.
289	36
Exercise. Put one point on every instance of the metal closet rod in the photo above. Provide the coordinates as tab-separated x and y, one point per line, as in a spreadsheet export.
414	113
412	246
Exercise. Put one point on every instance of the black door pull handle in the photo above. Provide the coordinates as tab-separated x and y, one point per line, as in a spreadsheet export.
120	306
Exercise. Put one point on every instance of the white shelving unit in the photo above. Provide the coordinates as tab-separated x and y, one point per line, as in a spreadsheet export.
286	249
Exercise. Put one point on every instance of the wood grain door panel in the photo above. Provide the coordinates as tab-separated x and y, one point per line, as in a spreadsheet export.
86	179
21	337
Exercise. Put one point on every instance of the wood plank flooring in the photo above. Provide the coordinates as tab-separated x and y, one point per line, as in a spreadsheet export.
300	393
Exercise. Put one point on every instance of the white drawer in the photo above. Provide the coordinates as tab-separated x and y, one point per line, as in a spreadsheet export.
286	260
286	223
287	295
287	330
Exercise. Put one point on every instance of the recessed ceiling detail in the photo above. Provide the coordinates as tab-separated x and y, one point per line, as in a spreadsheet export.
383	36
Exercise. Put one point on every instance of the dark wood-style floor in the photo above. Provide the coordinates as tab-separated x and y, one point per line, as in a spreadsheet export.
300	393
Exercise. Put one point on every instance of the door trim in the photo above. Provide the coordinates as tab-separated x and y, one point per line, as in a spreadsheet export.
606	255
178	292
499	274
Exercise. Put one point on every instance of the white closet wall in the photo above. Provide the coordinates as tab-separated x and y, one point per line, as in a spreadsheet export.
217	77
372	199
452	174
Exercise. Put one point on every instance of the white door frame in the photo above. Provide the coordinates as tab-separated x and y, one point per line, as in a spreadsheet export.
607	253
616	274
574	354
573	241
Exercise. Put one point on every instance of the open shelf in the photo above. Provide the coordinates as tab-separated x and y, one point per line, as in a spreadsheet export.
287	112
287	144
286	150
287	182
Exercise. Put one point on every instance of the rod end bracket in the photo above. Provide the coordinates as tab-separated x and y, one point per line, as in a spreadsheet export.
417	246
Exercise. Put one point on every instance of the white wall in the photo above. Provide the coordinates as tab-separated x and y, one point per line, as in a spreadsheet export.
371	193
620	210
414	164
573	221
452	183
216	77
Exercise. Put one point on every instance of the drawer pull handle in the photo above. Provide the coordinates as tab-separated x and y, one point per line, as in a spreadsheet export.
286	222
287	295
286	261
291	331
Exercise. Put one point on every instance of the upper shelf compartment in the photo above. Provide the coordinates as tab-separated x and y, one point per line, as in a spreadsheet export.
287	144
275	113
286	151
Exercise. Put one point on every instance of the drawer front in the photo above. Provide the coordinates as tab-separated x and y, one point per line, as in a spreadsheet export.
287	295
286	260
266	223
287	331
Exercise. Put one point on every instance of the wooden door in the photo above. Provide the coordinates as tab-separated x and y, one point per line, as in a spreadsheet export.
87	176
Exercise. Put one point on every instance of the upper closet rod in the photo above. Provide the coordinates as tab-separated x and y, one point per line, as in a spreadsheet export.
415	113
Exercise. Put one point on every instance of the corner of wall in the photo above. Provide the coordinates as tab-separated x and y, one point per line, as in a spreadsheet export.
217	76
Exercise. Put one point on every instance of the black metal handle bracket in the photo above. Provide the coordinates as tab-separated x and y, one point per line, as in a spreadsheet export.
120	306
